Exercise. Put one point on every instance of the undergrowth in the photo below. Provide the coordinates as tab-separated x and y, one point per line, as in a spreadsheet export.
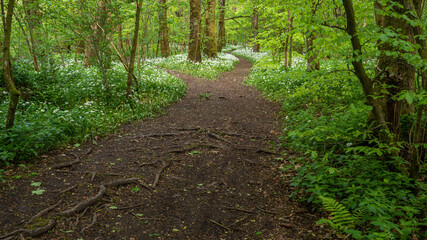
341	169
70	103
209	68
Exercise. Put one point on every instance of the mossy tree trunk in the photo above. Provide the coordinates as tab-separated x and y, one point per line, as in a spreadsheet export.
194	41
210	36
7	66
397	75
164	29
255	28
221	25
131	66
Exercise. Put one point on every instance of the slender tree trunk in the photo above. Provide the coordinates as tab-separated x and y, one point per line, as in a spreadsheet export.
164	29
131	76
291	42
120	44
194	42
7	66
31	12
255	29
359	68
221	25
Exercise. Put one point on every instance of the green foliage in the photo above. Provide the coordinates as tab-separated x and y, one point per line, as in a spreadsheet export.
209	68
340	218
342	164
70	103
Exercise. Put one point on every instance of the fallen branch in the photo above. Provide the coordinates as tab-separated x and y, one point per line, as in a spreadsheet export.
159	172
91	224
44	211
31	232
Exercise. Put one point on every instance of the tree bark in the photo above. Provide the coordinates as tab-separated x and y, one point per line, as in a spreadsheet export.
255	28
32	15
131	66
7	66
210	36
359	68
221	25
194	42
164	29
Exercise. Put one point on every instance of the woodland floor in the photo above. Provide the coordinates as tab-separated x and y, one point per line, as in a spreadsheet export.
206	169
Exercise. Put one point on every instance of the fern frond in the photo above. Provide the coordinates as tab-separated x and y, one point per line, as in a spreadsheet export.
340	218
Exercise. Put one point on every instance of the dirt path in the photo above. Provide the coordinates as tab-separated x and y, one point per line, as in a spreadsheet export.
211	158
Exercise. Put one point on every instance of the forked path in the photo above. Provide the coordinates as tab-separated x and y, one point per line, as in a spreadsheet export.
211	157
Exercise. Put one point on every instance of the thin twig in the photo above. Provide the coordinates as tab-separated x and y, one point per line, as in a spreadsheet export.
265	211
221	225
238	209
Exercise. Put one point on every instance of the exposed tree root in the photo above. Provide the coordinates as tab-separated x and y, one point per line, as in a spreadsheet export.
44	211
31	232
265	211
211	134
194	147
102	189
67	164
159	172
147	164
66	190
91	224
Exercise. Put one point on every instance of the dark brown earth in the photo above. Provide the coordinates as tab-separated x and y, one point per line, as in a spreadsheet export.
214	154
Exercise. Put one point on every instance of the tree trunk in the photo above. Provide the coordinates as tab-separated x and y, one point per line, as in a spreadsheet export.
255	28
210	36
7	66
221	25
164	29
291	42
194	42
31	12
131	76
312	63
120	44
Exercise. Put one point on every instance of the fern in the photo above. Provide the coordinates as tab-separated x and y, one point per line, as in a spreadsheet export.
340	218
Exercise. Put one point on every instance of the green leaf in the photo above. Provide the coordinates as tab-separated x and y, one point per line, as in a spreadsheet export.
135	189
38	192
36	184
194	153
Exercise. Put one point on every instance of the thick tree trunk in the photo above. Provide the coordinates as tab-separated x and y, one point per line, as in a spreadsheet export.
194	42
221	25
7	66
131	66
164	29
210	36
255	29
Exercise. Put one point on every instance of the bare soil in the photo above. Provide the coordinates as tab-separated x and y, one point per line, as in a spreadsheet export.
208	168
